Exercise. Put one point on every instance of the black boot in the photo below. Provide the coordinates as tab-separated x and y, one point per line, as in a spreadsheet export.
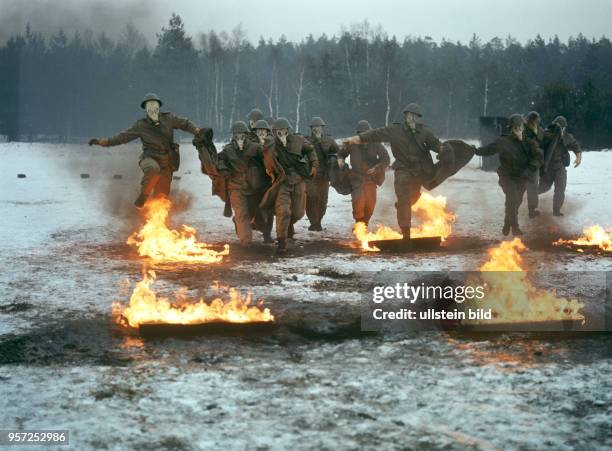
291	231
533	213
506	228
312	228
281	247
140	201
406	233
557	213
268	238
516	230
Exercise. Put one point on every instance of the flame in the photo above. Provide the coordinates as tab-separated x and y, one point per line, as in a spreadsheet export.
156	241
360	230
435	221
510	294
146	307
591	236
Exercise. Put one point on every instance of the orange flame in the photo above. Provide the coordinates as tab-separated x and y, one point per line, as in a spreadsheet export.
146	308
510	294
591	236
435	221
156	241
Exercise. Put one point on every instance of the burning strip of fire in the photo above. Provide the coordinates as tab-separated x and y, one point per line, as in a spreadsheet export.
146	307
161	244
511	295
593	236
435	219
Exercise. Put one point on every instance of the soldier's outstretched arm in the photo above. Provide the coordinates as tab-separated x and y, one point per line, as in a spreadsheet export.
574	146
310	151
182	123
489	149
376	135
432	142
125	136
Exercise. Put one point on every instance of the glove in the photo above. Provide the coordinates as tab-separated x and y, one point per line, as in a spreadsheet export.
313	171
578	159
94	141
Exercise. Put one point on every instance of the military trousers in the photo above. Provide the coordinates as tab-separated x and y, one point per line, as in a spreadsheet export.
317	193
157	175
533	191
408	191
363	197
557	177
289	207
514	189
241	202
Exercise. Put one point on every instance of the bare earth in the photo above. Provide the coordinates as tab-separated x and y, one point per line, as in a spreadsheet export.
316	381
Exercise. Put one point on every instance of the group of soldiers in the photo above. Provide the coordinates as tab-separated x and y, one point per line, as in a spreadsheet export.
268	174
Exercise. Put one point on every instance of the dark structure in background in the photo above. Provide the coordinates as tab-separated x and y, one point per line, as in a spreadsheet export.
68	87
491	128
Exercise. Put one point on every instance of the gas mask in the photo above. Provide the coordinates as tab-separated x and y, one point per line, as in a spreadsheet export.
240	138
282	134
251	124
317	131
262	134
518	131
152	109
411	119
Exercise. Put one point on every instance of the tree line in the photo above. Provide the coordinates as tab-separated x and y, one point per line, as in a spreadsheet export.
70	87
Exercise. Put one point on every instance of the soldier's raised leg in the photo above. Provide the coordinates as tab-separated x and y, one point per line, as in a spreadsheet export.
282	211
369	193
151	175
559	194
532	196
407	191
242	216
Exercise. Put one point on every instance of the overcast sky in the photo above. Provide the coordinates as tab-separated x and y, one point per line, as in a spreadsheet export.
451	19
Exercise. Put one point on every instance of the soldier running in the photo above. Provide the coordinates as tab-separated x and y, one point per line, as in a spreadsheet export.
557	144
411	143
317	188
519	159
160	157
289	159
241	162
533	131
369	162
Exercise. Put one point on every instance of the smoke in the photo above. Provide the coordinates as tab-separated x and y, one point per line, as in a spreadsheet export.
49	16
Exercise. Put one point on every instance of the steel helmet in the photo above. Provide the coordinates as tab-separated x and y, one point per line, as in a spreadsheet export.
255	115
261	124
515	120
413	108
150	96
561	121
239	127
317	122
532	116
281	122
363	126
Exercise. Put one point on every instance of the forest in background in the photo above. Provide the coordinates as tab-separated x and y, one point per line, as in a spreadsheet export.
68	88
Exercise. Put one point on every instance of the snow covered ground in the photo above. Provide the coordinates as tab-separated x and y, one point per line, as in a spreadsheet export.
316	382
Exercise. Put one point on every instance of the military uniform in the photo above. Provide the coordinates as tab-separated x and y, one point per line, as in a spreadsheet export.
413	164
365	157
317	188
532	185
290	166
556	159
245	179
159	156
519	159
